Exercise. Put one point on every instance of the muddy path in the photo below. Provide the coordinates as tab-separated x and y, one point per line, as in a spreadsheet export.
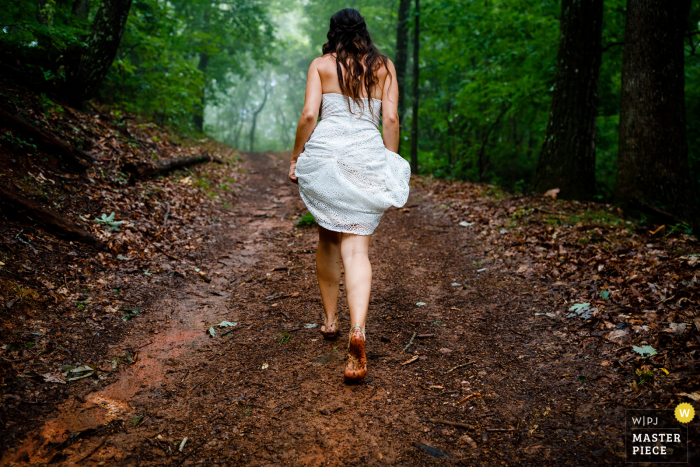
482	354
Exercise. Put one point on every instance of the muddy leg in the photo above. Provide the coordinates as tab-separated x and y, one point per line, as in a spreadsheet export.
354	250
328	274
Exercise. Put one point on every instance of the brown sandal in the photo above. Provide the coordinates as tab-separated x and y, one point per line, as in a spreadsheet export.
330	335
356	368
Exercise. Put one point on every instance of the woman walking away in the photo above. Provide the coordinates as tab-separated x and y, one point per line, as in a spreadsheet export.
347	175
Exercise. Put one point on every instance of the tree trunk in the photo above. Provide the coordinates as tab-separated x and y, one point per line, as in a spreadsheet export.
81	9
401	59
416	76
255	119
567	160
199	109
102	45
18	205
653	164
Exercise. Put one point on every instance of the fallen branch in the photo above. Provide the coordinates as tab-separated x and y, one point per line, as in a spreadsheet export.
144	170
75	157
449	423
47	218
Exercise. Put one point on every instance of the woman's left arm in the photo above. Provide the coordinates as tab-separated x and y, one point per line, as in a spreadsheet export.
309	116
390	111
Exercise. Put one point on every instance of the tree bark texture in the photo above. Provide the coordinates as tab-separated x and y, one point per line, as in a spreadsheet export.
567	159
401	58
75	158
146	170
653	152
103	42
18	205
198	117
416	92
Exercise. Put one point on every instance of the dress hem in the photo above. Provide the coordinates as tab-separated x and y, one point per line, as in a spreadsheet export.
344	230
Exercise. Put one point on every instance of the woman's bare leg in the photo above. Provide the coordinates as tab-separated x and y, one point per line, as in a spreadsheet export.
354	249
328	274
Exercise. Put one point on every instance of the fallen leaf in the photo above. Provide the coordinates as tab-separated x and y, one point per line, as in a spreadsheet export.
693	395
51	378
411	360
552	193
645	351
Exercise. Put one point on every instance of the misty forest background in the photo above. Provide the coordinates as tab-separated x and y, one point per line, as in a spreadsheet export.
489	75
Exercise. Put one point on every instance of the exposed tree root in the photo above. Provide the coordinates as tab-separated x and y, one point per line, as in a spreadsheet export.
18	205
147	170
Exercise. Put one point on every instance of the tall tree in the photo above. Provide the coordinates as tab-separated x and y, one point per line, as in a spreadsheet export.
401	57
416	77
567	160
653	149
198	117
102	45
256	112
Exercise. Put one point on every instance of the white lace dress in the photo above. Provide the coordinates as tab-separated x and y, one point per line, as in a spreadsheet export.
347	178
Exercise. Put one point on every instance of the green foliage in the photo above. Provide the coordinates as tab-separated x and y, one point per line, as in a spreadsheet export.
306	219
109	222
159	59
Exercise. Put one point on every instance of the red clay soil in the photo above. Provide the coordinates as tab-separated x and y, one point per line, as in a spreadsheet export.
453	335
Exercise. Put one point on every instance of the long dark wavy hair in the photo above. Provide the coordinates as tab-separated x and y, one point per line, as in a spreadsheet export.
349	40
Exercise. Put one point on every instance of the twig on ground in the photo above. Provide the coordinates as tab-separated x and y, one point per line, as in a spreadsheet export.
411	360
458	367
92	452
409	343
230	331
468	397
168	254
190	453
201	384
500	429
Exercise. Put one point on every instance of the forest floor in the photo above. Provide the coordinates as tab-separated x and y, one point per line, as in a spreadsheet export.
475	357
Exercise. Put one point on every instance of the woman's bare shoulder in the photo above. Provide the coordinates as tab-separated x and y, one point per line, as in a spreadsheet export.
324	61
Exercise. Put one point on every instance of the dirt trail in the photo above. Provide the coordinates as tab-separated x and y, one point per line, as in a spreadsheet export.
271	391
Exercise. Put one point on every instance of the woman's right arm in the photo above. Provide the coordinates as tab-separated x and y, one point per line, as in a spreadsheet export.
309	116
390	111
